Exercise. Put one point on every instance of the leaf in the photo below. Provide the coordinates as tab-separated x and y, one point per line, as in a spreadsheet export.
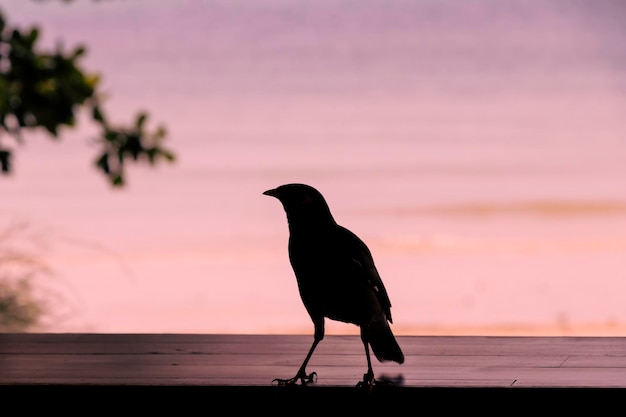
141	119
79	51
92	80
97	114
169	156
32	37
161	132
103	163
5	161
117	180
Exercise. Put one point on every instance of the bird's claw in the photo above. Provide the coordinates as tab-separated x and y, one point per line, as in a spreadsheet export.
303	378
368	381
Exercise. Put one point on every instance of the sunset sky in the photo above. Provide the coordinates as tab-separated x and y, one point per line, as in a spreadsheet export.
478	148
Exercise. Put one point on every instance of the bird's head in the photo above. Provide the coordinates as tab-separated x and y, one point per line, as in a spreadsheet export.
302	201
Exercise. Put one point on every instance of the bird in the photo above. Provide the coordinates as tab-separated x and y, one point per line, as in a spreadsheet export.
337	279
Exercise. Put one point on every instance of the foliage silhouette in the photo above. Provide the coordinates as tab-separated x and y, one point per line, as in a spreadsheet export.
22	306
46	89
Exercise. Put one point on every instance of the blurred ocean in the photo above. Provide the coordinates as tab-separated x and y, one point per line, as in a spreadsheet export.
478	148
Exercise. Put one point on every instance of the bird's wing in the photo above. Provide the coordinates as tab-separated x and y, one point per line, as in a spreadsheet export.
361	257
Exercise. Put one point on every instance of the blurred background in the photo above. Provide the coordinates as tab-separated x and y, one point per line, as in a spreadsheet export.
478	148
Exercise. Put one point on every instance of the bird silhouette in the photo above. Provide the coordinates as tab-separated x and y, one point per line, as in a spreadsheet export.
337	278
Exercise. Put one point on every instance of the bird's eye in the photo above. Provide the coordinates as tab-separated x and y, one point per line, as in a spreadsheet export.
306	199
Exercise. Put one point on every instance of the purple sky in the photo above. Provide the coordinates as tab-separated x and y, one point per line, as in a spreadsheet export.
477	147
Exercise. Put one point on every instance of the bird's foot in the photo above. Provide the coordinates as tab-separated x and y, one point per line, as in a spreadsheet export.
302	377
368	381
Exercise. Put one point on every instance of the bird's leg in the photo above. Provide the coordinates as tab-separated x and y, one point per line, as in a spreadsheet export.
368	378
301	375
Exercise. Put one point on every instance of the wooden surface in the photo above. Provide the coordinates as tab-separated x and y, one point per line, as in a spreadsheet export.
181	359
233	362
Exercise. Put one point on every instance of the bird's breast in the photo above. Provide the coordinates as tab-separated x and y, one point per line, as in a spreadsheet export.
313	255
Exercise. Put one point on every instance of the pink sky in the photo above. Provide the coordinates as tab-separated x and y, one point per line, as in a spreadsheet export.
478	149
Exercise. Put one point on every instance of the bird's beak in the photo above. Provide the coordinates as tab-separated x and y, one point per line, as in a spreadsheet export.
272	193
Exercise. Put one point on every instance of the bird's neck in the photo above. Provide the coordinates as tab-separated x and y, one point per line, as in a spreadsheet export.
305	222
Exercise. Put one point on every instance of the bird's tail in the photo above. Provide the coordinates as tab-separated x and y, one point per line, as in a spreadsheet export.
383	342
